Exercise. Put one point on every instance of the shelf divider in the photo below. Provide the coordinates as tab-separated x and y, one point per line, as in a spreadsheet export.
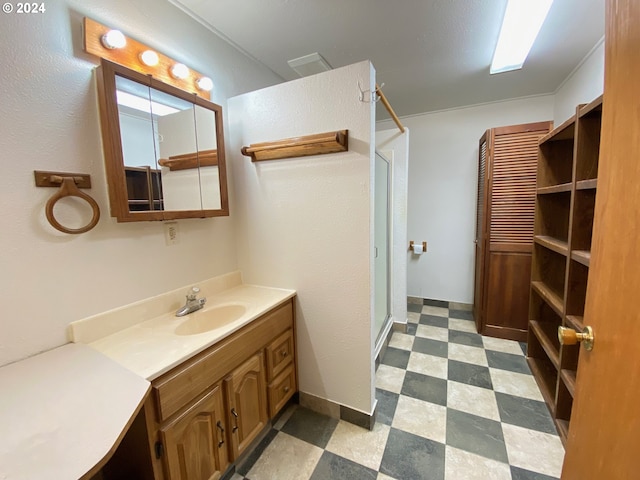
590	184
575	321
582	256
560	188
549	296
569	379
552	243
545	342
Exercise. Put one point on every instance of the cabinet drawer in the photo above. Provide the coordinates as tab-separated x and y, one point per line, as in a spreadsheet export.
281	390
181	385
279	354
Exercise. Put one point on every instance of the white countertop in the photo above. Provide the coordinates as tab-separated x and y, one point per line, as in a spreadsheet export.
152	347
62	411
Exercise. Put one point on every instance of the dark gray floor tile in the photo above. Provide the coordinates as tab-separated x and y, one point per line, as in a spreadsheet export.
396	357
431	347
411	328
523	345
424	387
476	435
386	408
334	467
310	426
524	412
520	474
471	374
434	321
414	307
508	361
246	465
463	314
408	456
465	338
436	303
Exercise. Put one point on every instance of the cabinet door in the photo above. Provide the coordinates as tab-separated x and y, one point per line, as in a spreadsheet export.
247	403
195	442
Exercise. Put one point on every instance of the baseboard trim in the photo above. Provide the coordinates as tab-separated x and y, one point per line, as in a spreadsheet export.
336	410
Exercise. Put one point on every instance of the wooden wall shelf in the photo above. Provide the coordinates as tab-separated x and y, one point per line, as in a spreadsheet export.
319	144
204	158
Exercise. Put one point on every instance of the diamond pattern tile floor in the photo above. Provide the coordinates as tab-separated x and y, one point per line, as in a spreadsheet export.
452	405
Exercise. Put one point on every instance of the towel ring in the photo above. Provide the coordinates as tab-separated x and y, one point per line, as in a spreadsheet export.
69	189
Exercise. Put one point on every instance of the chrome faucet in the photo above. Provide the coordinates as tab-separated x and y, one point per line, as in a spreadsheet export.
192	303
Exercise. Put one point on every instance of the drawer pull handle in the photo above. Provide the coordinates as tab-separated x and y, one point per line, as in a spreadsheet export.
235	414
221	442
286	389
284	353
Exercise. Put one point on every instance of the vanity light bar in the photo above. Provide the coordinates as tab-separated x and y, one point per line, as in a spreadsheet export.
114	46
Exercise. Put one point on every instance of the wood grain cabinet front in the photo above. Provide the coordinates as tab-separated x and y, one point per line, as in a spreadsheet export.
246	403
204	413
195	442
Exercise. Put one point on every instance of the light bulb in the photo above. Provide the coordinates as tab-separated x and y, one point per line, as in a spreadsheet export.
114	39
149	58
180	70
205	83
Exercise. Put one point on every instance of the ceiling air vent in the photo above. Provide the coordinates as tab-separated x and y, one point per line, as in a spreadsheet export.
309	64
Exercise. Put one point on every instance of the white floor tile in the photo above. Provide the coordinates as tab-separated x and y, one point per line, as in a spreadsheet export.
390	378
413	317
462	325
421	418
401	340
532	450
286	458
467	354
428	365
439	311
358	444
461	465
517	384
434	333
501	345
475	400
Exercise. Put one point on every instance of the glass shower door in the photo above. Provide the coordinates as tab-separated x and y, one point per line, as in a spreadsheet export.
381	242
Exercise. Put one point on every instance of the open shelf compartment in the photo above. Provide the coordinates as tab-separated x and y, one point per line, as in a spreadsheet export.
552	216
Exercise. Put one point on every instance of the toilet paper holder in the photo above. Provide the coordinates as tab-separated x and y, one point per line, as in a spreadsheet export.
424	246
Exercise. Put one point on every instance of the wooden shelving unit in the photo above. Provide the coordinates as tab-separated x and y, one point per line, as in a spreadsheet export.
565	201
144	189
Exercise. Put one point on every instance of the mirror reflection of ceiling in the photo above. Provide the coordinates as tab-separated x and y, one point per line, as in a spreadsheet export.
430	54
136	96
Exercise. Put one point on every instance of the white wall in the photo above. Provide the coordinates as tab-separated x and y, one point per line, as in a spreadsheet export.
304	223
398	144
583	85
443	156
49	121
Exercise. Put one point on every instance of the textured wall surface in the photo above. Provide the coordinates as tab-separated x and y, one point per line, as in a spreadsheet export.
304	223
584	84
443	173
49	121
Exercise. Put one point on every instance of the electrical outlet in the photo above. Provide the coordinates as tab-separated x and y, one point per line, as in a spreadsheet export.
171	233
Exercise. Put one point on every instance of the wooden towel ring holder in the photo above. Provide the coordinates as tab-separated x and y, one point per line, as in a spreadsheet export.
68	188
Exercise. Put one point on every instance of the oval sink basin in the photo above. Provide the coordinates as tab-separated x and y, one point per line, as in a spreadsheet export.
206	320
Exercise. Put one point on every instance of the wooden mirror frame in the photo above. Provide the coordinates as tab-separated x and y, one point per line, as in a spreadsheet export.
112	146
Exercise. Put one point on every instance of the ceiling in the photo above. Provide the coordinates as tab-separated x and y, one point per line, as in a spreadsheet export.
429	54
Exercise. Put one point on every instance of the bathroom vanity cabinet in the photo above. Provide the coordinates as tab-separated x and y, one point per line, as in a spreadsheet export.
206	412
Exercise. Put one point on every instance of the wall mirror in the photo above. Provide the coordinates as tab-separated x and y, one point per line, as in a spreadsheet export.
164	148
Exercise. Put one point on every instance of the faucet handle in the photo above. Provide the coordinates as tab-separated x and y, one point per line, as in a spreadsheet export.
193	293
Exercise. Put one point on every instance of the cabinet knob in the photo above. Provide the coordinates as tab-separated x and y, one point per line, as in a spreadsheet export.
284	353
286	389
568	336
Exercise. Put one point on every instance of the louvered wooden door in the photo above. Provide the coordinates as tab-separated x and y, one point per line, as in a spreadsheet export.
481	231
507	219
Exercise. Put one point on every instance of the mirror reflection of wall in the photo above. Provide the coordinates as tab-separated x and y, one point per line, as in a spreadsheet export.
155	126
